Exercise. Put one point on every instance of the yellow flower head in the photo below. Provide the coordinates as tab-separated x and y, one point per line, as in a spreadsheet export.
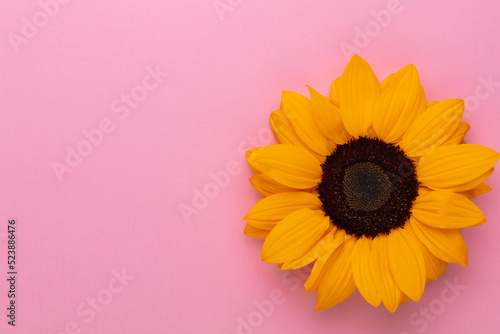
372	185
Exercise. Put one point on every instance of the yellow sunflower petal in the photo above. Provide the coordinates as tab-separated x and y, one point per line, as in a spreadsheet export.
294	236
449	167
404	299
434	266
358	91
328	119
371	133
401	101
283	130
446	244
299	111
270	210
432	128
430	104
463	188
444	209
458	136
324	261
378	263
254	232
292	166
361	271
475	192
325	246
337	283
423	190
406	263
267	186
334	92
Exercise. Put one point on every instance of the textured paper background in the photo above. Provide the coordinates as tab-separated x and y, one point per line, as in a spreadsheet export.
118	210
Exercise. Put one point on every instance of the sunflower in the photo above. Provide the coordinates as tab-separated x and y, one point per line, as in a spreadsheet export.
371	184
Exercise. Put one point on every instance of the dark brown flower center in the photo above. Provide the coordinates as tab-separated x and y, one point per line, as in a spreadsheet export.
368	187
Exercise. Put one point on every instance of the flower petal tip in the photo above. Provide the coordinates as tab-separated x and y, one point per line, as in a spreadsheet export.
250	154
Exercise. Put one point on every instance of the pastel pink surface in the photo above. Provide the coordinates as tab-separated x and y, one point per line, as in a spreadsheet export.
119	208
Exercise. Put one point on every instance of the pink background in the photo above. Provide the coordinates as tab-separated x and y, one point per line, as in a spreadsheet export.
119	207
